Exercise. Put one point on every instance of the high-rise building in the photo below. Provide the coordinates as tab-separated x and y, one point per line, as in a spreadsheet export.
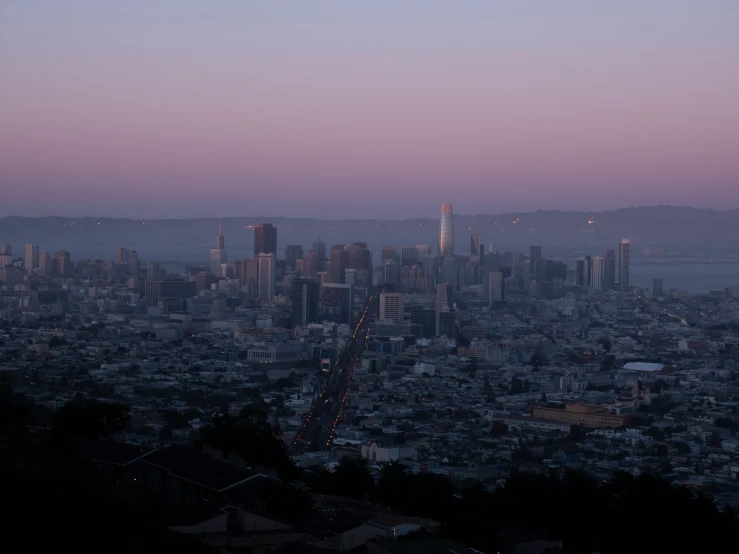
122	255
134	263
320	247
477	255
246	272
448	271
6	250
497	287
336	302
534	257
446	231
624	264
389	272
304	301
293	253
609	269
339	262
152	271
408	255
45	263
390	253
6	260
310	264
444	310
267	270
596	272
218	256
30	257
62	263
391	306
657	287
265	239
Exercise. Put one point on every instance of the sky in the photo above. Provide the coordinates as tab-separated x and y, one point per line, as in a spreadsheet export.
184	108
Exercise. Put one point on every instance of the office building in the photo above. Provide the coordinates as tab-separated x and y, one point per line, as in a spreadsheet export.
265	239
391	306
30	257
246	272
609	269
389	273
6	255
45	263
122	255
62	263
360	257
497	287
152	271
310	264
408	255
592	417
425	319
339	262
320	248
218	255
477	255
304	301
134	264
624	269
336	303
657	289
448	271
446	231
534	260
293	253
444	310
160	289
267	272
390	253
596	272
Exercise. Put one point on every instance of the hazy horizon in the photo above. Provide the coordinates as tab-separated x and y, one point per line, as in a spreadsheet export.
184	108
375	216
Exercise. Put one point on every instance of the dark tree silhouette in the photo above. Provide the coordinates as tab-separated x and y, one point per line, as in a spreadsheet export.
252	438
90	419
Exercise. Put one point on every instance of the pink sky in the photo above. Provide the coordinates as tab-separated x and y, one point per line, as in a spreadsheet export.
379	110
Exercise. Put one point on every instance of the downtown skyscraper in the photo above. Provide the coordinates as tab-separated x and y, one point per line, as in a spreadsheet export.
265	239
218	255
446	231
624	264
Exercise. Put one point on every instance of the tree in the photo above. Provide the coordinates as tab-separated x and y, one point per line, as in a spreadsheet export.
251	438
351	479
516	386
90	419
499	429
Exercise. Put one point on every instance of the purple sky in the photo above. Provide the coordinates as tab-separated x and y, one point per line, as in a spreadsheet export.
370	109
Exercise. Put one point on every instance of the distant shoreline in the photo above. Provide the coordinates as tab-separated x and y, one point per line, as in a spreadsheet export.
663	261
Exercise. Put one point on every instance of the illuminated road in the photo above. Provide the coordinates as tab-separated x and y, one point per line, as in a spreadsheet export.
325	414
663	312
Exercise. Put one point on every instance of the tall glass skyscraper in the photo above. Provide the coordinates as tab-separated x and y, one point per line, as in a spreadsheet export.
624	264
446	231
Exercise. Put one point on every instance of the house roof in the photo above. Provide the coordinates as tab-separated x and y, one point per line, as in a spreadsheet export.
108	451
197	467
643	366
427	546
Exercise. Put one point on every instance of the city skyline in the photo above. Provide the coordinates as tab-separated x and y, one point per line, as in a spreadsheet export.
209	109
328	276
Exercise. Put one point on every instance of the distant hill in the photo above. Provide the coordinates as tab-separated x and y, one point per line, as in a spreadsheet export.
679	231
